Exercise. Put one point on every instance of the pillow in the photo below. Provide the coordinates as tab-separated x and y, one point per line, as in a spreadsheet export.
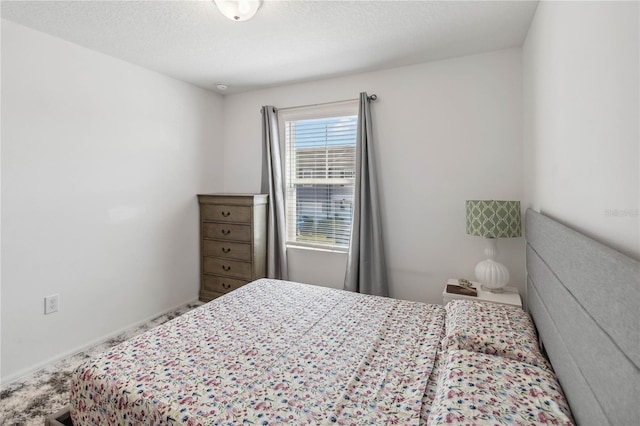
492	329
488	389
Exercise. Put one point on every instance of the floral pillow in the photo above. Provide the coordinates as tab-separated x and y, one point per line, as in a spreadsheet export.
479	388
492	329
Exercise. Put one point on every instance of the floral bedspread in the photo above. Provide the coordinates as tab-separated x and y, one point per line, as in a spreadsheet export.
271	352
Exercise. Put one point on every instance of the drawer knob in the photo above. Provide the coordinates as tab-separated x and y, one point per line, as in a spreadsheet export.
226	268
226	214
226	250
226	286
226	231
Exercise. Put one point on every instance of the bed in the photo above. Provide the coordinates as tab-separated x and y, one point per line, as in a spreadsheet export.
277	352
280	352
272	351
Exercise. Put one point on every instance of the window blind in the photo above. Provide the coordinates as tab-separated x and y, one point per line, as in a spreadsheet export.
320	173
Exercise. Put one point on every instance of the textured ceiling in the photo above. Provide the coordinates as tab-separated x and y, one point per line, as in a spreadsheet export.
286	42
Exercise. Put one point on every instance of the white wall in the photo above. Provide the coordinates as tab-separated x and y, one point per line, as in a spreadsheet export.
101	162
581	127
447	131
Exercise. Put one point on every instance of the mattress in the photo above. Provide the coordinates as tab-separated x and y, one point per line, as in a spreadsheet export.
270	352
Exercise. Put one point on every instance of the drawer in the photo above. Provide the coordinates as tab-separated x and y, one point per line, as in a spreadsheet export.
220	284
228	250
225	231
228	268
207	296
222	213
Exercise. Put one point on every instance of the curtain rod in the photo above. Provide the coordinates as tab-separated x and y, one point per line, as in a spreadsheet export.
371	98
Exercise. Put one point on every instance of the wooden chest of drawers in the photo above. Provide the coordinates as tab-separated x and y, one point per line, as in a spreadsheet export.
233	241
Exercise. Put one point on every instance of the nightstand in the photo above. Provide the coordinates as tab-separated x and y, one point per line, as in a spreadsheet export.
509	296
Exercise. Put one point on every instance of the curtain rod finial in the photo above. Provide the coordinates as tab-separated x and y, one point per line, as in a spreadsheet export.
373	97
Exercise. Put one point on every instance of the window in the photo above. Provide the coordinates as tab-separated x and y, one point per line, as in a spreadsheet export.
320	155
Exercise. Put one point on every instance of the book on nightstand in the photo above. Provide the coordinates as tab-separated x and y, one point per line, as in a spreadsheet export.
465	291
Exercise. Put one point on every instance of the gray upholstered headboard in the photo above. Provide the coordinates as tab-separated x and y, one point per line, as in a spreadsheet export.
584	298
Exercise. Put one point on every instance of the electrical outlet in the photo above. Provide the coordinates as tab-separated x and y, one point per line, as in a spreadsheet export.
51	304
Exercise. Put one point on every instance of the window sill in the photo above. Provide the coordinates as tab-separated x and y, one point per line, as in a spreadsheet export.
320	249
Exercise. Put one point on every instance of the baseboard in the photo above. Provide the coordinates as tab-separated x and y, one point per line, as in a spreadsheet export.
39	366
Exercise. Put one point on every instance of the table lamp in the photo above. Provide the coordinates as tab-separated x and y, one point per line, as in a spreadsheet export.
493	219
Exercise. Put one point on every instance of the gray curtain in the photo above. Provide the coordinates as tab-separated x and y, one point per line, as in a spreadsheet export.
366	268
272	185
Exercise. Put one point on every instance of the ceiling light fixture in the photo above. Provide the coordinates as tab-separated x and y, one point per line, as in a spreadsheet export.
238	10
222	86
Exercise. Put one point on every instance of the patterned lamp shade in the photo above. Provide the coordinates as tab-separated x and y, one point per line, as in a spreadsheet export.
493	219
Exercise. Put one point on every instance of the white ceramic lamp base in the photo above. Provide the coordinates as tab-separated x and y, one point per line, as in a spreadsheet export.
491	274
